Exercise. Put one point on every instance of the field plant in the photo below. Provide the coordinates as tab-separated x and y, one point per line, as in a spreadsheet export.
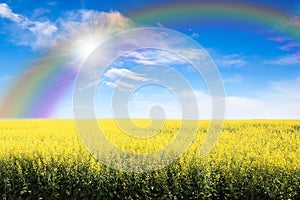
252	159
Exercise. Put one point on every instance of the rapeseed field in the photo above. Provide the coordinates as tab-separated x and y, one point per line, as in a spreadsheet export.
252	159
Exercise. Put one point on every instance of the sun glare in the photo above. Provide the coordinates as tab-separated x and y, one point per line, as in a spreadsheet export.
86	46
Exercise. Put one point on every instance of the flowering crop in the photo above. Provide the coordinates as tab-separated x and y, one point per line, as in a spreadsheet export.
252	159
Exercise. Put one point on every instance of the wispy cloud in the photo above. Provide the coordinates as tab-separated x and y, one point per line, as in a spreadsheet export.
110	84
193	34
289	88
153	57
80	22
27	32
115	73
290	46
286	43
43	34
6	12
279	101
284	60
237	78
52	3
122	78
171	51
279	38
232	61
228	61
5	77
181	56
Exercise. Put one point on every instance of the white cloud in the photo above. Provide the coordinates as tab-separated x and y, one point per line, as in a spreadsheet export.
290	46
52	3
279	38
166	48
285	60
122	78
228	61
180	56
233	60
154	57
237	78
119	85
124	85
110	84
71	26
88	28
195	35
112	76
115	74
37	34
80	22
7	13
193	54
288	89
279	101
244	108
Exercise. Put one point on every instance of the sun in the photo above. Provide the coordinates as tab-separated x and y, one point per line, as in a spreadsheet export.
85	46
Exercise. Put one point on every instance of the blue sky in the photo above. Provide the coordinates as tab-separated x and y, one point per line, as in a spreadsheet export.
259	66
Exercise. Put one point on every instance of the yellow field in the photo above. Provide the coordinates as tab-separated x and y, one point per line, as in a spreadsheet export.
255	158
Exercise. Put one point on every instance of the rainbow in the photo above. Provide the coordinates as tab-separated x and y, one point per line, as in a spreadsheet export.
203	12
36	93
